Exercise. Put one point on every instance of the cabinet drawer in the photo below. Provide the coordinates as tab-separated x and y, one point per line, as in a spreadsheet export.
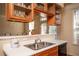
54	53
53	49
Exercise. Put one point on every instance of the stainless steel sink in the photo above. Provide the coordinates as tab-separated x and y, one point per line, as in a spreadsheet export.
38	46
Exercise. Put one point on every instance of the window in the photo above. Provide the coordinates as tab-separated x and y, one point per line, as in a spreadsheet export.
31	27
52	29
43	19
43	28
76	26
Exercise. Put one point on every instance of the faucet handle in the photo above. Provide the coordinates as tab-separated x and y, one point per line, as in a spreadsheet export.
36	41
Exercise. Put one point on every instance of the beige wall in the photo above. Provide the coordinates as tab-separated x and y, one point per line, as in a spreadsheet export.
67	29
10	27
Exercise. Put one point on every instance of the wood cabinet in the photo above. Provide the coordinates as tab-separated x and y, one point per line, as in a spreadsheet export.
58	14
60	50
56	10
56	20
20	12
50	52
42	8
51	9
24	12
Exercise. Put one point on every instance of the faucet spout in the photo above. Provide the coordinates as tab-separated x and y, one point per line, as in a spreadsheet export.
36	43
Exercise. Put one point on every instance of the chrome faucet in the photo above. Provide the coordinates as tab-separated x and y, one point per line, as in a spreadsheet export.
36	43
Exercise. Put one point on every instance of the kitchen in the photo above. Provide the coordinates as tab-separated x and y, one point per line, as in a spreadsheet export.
36	29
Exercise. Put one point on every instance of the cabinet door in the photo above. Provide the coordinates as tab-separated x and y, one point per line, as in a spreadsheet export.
52	19
55	53
19	13
50	52
41	54
40	7
9	10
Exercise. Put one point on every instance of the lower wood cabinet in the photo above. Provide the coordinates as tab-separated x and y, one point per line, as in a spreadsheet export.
50	52
55	53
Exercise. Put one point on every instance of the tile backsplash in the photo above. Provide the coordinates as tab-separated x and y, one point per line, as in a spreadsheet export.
27	37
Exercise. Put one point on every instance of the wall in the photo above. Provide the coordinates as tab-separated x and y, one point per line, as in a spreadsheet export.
11	27
67	29
37	24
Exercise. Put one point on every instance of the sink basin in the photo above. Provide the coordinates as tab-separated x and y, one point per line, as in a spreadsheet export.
40	45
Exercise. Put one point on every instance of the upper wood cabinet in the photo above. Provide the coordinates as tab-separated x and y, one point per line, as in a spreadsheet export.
20	12
42	7
58	14
51	9
56	10
24	12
